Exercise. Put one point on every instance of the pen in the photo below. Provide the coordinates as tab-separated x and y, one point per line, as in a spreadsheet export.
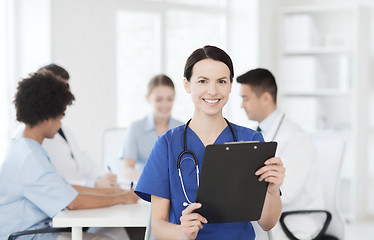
110	170
131	185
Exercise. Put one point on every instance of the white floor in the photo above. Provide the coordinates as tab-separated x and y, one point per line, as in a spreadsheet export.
360	231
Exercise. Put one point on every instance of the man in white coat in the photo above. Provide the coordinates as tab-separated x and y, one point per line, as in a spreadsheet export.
71	161
300	190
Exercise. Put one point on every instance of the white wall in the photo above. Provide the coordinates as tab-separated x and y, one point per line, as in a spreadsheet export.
84	41
269	38
243	49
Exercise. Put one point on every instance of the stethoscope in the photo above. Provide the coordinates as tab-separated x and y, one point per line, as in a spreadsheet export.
279	125
193	159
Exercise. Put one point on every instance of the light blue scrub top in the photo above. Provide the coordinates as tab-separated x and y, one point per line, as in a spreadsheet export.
140	138
31	191
160	177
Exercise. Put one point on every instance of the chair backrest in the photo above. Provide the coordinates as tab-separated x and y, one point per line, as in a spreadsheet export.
111	144
329	157
148	231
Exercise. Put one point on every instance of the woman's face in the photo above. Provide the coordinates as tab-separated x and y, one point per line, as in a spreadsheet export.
162	100
209	86
52	126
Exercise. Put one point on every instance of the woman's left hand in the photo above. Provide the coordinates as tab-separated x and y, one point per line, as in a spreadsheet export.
109	180
273	172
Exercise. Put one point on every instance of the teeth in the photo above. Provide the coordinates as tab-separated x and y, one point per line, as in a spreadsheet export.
211	101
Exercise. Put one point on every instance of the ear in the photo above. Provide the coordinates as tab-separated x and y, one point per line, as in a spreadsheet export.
186	84
268	99
45	122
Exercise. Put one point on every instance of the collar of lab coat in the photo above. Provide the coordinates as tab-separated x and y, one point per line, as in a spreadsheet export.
270	124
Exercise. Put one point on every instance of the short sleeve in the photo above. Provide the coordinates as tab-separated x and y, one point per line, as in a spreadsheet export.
44	187
129	147
154	179
258	137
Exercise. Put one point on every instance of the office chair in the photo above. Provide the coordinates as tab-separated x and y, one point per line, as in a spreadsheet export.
329	157
111	144
13	236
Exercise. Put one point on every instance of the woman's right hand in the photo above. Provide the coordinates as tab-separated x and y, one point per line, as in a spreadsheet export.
129	197
191	222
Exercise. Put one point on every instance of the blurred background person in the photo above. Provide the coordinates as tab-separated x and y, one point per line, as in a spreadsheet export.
142	134
31	190
71	161
300	190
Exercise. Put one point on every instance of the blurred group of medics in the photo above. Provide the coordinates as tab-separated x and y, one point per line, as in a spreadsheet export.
151	147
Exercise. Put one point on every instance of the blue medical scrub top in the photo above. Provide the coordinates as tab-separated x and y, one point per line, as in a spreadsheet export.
160	177
31	191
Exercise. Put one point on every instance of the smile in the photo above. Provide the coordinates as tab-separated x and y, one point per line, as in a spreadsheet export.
211	101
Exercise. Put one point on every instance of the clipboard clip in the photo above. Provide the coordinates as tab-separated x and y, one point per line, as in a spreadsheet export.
241	142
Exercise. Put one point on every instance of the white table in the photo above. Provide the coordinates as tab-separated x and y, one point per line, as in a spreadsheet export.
131	215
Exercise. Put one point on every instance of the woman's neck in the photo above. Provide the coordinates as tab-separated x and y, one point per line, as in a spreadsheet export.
161	121
161	125
208	127
34	133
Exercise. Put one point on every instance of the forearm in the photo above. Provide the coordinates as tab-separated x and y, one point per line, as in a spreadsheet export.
105	191
129	163
165	230
271	211
86	201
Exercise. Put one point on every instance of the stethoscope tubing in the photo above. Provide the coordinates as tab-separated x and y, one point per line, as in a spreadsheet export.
196	162
279	125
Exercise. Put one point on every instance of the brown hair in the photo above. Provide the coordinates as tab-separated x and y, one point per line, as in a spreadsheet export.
159	80
261	80
207	52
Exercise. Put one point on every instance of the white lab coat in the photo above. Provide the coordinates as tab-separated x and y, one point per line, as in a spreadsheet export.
80	170
300	189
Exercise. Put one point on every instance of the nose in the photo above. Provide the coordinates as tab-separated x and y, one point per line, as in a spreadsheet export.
212	90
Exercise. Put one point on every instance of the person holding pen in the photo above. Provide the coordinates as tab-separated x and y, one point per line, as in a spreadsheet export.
208	76
31	190
70	159
142	134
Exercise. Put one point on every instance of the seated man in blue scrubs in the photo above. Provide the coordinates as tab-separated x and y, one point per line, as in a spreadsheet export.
31	191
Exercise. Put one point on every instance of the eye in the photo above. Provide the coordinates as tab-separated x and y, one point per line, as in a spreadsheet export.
202	81
222	81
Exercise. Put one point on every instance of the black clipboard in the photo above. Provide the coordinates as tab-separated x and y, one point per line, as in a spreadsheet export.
229	190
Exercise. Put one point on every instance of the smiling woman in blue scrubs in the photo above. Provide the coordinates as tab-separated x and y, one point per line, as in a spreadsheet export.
208	77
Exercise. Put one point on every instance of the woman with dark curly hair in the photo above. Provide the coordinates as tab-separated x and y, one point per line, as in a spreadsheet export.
70	160
31	191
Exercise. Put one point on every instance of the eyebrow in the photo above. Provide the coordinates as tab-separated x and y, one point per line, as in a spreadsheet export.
221	78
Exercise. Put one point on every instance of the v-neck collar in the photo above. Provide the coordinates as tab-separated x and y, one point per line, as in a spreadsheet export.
217	141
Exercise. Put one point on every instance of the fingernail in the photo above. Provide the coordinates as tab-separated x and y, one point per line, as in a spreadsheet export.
199	205
257	173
